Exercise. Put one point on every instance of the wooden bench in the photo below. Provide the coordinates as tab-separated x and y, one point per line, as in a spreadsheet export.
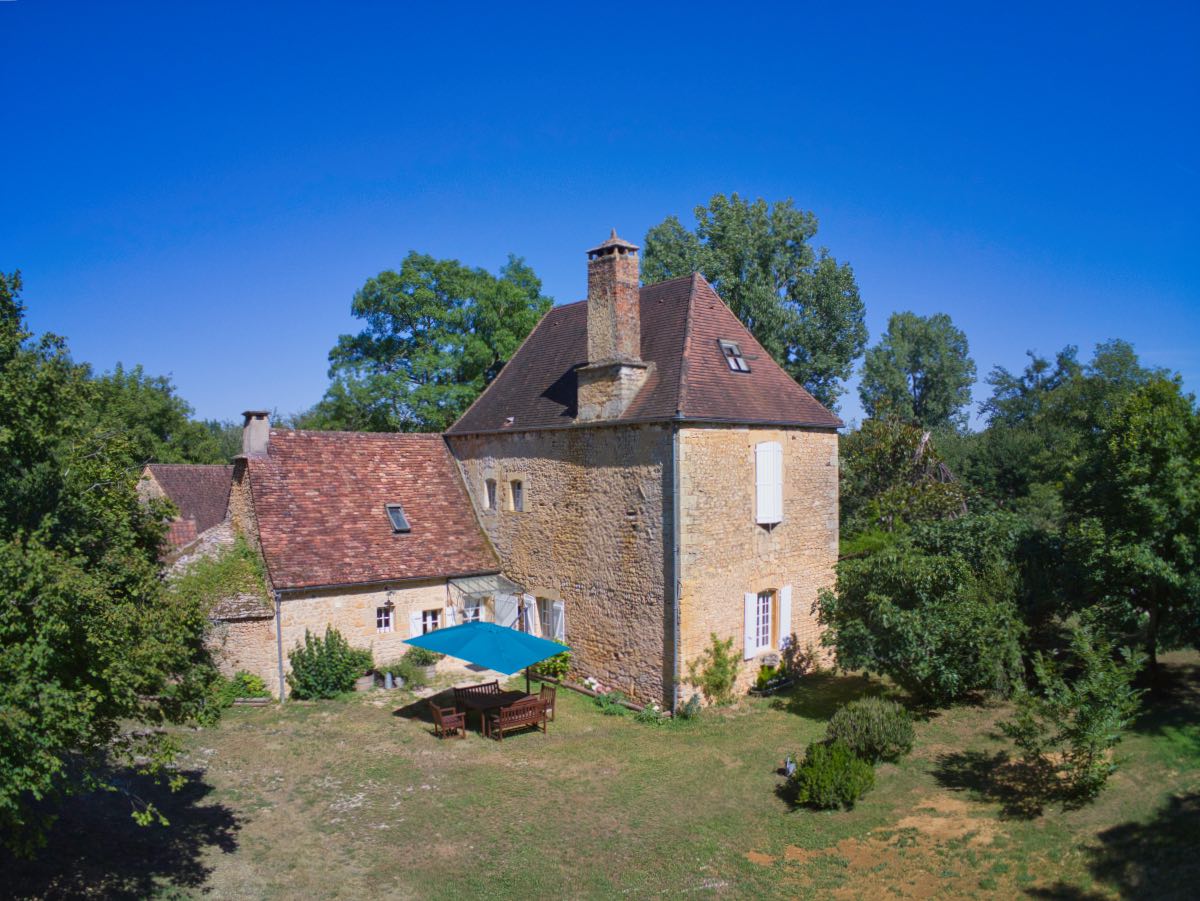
529	712
486	688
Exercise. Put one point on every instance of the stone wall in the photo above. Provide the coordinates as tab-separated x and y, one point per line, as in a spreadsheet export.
251	644
593	535
726	553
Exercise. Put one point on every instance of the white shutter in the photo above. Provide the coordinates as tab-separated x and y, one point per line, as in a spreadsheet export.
751	625
506	610
785	616
768	482
414	624
559	618
451	617
777	480
531	617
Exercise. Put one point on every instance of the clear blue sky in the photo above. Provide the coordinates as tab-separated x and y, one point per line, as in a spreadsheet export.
201	187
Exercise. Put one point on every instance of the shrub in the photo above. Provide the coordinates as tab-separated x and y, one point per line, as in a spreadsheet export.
1077	718
242	685
325	668
767	675
830	776
555	667
610	703
422	656
715	671
690	710
651	715
873	729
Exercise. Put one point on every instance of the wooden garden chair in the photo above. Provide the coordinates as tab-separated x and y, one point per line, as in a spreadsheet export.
448	721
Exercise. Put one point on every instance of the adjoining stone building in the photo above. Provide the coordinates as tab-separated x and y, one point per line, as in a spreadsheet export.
641	475
200	494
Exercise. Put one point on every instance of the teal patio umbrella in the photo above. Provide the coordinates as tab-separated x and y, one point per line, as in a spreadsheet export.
487	644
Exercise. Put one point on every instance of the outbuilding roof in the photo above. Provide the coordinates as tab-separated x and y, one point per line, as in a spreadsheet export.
682	323
321	502
201	492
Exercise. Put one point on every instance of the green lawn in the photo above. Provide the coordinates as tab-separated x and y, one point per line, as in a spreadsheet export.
354	799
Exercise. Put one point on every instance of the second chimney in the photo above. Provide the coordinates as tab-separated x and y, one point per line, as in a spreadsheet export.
256	433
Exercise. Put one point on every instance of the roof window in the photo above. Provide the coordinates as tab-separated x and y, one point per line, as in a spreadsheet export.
733	356
395	513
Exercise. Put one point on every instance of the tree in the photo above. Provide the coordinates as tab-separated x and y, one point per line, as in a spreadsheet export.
920	370
892	475
437	333
154	419
800	303
936	611
1134	503
94	654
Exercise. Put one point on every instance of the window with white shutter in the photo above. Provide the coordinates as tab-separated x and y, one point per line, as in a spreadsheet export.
785	616
768	482
751	625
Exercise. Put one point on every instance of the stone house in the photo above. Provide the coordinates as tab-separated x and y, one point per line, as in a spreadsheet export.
640	476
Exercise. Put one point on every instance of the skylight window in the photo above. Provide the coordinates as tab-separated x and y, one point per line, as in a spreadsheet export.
395	513
733	356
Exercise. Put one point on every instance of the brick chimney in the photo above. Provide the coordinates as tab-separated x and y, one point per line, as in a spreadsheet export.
614	372
256	433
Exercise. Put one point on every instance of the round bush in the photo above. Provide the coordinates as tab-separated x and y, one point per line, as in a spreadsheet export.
873	729
831	776
325	668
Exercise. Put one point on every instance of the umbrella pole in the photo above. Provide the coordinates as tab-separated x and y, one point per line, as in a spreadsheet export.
527	689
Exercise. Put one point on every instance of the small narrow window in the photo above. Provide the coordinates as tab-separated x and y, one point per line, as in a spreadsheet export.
399	521
383	619
733	356
473	610
518	495
489	487
431	620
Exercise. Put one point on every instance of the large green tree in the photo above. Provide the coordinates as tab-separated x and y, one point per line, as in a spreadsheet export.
920	370
94	654
436	333
155	420
1134	505
801	304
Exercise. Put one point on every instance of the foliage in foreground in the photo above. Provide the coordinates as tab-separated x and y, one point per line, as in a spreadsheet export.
94	655
936	611
873	728
325	667
830	776
1067	726
715	671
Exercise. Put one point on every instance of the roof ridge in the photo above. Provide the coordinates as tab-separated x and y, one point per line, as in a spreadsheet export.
667	281
681	393
520	347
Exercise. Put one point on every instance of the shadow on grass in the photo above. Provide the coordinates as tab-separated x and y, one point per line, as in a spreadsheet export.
819	695
95	849
1173	702
1023	790
1157	859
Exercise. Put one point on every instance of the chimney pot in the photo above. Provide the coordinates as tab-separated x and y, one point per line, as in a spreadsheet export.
256	433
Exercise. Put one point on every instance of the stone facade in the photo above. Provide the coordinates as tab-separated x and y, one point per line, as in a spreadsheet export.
251	644
593	535
725	553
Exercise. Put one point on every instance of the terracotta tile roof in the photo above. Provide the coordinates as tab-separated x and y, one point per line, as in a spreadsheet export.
682	321
320	499
200	492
